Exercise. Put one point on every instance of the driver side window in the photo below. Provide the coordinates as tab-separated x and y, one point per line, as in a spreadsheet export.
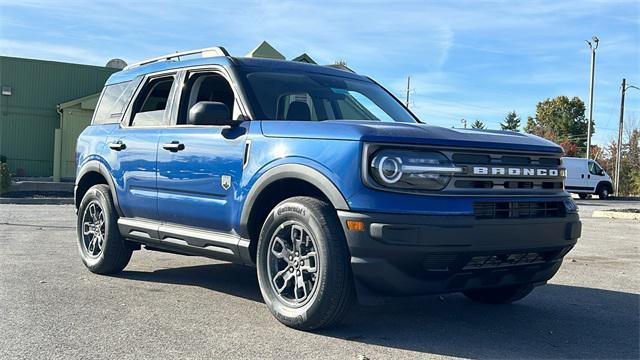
595	169
207	86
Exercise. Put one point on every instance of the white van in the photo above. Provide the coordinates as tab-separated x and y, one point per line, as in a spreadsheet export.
585	177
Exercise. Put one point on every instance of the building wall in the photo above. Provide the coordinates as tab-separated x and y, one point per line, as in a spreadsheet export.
28	117
76	116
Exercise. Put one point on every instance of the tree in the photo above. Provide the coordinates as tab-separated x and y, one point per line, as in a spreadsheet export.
629	164
570	149
560	119
511	122
477	125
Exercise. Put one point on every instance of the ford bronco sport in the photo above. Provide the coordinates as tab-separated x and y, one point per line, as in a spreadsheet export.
321	179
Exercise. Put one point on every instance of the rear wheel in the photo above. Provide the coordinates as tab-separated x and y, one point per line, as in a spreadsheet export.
303	264
500	295
102	248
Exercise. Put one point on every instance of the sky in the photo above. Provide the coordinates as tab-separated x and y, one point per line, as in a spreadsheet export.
467	59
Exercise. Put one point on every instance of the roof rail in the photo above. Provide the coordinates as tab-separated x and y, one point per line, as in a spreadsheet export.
206	52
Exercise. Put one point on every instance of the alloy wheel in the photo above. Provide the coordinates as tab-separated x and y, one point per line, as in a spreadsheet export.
292	264
93	229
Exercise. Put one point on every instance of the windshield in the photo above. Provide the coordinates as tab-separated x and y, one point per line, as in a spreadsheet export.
303	96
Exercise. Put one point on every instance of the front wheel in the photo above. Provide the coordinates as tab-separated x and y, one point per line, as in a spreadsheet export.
303	264
500	295
603	192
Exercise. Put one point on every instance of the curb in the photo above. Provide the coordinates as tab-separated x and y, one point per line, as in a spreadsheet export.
37	201
612	214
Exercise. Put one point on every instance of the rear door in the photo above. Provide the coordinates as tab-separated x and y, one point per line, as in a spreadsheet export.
576	174
200	167
134	147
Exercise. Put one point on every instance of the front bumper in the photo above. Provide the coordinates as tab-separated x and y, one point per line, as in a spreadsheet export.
427	254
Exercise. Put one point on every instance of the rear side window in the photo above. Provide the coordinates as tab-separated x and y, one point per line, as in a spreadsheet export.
113	102
151	102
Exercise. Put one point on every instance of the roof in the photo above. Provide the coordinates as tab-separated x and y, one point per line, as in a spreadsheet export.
53	62
304	58
89	100
265	50
228	61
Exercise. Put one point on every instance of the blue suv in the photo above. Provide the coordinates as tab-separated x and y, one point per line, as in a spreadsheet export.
321	179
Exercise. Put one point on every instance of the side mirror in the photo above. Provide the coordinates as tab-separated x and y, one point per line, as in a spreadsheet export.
210	113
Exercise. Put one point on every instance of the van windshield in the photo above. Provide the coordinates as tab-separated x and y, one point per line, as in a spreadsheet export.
303	96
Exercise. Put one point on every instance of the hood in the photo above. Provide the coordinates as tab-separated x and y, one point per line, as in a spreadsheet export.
407	133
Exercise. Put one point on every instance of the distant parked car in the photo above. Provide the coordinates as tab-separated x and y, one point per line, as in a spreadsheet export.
586	177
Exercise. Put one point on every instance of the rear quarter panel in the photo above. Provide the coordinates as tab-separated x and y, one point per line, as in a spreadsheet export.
92	145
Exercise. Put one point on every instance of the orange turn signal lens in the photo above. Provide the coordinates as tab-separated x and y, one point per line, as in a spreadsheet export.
355	225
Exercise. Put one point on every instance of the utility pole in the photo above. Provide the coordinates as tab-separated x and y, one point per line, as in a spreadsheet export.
408	89
464	122
591	84
623	90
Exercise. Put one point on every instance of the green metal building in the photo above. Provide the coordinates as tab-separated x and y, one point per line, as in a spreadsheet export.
37	98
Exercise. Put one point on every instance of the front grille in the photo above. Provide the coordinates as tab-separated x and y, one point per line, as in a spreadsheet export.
435	264
518	210
504	182
504	260
439	261
501	159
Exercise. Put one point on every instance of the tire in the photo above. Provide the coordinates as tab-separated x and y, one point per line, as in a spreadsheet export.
102	248
327	289
603	192
501	295
583	196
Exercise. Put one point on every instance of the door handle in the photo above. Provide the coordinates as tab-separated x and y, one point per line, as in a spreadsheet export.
582	175
173	146
117	145
588	176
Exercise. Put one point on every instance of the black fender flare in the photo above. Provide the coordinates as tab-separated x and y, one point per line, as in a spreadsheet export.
293	171
97	167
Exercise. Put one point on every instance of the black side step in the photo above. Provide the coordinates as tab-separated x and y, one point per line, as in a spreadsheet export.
184	240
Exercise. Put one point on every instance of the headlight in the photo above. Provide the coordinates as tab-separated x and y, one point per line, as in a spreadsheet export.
411	169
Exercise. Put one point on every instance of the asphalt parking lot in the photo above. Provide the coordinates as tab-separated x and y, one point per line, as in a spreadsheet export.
168	306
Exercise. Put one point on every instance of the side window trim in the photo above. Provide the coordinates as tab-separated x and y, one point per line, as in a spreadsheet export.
127	119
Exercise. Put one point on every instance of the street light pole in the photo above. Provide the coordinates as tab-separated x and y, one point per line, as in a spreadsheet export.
408	89
619	148
591	84
623	90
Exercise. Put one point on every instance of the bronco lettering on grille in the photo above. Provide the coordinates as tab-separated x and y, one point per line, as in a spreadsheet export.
515	171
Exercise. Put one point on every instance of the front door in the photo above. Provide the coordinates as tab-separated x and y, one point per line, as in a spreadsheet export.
596	174
200	167
134	146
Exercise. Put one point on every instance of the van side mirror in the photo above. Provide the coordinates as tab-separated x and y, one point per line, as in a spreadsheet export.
210	113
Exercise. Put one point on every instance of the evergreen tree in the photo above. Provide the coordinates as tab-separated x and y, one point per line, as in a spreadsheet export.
511	122
478	125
